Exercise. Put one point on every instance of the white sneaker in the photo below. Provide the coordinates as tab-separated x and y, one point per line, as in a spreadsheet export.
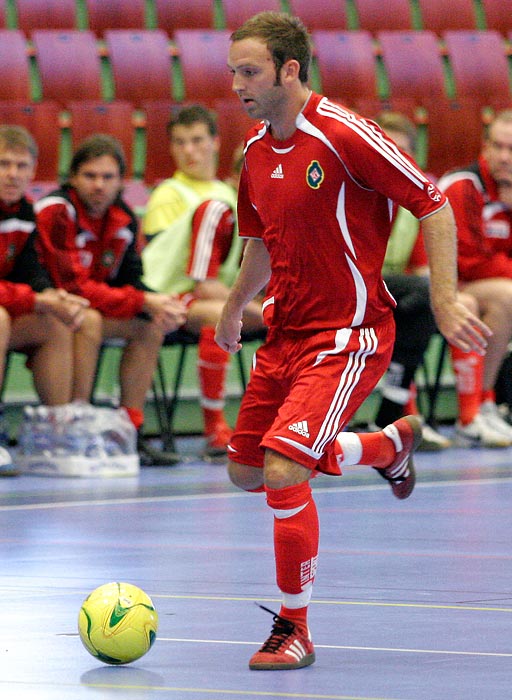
432	440
493	417
480	433
7	468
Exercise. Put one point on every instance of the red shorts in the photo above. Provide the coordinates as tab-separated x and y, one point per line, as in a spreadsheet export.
304	391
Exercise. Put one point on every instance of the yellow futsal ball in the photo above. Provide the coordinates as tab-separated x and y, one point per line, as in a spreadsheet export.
117	623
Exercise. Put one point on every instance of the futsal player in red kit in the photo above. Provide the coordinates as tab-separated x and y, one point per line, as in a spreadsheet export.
315	204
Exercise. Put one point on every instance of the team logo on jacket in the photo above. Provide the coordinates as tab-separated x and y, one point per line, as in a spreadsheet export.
314	175
107	259
11	252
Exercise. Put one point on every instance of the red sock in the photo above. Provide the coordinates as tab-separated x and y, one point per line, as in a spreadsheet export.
411	407
489	395
378	449
468	368
135	415
212	368
296	537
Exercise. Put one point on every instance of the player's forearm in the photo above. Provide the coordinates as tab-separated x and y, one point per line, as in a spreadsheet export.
441	244
253	276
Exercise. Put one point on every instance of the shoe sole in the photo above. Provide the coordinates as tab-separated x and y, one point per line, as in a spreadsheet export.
306	661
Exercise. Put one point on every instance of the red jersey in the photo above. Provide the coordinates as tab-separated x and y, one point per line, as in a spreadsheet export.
484	224
21	273
95	258
322	203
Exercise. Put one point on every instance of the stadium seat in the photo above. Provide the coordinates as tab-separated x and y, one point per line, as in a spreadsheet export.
69	64
141	64
346	63
454	130
233	124
413	63
114	118
479	64
3	17
498	15
15	63
440	15
236	12
184	15
42	119
45	14
158	164
115	14
379	15
203	59
322	14
371	108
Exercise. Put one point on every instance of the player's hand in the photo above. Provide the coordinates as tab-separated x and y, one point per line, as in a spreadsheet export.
166	310
462	328
228	333
69	308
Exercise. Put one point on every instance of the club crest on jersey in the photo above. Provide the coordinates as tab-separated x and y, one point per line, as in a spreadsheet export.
314	175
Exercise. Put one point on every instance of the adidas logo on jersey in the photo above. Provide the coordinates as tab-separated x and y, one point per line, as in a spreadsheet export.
301	427
278	172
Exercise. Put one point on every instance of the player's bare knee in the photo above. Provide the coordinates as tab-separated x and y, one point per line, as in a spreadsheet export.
280	471
245	477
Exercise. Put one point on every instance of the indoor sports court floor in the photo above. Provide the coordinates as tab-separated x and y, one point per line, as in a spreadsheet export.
413	599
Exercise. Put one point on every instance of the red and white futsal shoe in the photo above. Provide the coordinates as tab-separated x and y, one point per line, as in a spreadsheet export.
286	648
406	434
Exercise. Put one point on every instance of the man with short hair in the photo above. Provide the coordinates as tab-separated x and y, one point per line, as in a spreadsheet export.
88	237
315	200
35	318
193	251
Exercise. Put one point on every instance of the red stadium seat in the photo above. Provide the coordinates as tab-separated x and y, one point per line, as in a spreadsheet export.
379	15
42	119
141	64
236	12
498	15
479	64
233	124
114	118
15	64
322	14
159	163
413	63
69	64
454	132
46	14
116	14
184	15
346	63
440	15
203	58
371	108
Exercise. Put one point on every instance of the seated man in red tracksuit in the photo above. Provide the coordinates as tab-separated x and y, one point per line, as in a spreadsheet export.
35	318
88	239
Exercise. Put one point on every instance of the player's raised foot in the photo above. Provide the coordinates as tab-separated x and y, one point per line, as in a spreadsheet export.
286	649
406	435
